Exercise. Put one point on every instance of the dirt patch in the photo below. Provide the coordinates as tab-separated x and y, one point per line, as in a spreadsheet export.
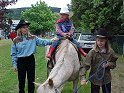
2	44
5	42
118	77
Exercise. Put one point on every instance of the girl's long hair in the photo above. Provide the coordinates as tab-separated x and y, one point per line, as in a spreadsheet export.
107	46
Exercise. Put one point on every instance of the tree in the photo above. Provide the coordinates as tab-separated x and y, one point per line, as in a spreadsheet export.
41	17
3	11
94	14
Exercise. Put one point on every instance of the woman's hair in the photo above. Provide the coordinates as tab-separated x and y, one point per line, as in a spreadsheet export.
19	34
107	46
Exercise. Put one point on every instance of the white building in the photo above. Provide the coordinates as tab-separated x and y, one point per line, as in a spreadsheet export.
0	32
14	24
15	21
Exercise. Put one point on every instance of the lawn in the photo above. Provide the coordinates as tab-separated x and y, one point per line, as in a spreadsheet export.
8	78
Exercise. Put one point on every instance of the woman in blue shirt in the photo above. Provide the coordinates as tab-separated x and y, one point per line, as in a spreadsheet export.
22	53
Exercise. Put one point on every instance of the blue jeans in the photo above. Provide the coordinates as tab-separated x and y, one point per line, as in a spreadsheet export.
56	43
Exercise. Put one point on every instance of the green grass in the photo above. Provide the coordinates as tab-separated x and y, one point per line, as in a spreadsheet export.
8	78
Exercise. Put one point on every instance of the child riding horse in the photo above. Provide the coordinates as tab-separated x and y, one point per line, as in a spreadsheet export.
64	27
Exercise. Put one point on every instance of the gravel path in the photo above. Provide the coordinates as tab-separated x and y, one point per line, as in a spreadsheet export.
118	77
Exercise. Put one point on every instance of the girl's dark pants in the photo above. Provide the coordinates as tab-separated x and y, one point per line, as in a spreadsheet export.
26	67
96	88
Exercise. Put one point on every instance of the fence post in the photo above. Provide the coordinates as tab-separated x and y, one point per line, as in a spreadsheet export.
123	49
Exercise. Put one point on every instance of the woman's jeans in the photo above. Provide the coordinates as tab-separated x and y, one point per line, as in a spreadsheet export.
26	67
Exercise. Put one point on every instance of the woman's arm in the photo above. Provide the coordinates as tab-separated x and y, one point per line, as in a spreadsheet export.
85	66
43	42
14	55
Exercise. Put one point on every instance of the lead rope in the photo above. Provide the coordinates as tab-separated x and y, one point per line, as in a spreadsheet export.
100	68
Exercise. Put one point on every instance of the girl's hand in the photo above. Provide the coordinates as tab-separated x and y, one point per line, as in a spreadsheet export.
69	33
83	82
65	34
105	65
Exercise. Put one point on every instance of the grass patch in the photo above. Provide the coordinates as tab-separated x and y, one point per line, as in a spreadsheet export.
120	59
8	78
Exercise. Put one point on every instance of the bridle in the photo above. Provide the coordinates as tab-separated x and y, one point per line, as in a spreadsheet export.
56	90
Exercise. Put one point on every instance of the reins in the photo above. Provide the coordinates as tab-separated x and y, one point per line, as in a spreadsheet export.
99	76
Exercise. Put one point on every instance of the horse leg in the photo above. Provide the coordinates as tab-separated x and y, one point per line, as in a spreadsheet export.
75	85
48	71
61	88
49	66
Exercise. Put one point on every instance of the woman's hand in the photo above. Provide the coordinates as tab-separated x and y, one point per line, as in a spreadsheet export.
54	39
15	69
83	82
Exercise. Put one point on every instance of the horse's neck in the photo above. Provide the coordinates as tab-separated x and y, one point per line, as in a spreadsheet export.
59	56
63	47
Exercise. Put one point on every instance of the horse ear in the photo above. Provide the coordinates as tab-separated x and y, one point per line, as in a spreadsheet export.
50	82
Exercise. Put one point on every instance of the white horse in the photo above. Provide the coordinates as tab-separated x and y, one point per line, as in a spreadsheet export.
66	69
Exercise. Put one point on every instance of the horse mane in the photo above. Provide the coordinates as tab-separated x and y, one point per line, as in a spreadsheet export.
62	48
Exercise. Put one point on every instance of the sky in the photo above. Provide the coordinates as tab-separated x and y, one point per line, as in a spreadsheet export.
52	3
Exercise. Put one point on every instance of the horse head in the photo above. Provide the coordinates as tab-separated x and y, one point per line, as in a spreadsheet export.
48	87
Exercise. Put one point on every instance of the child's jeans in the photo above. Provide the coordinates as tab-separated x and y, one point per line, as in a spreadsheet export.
54	44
